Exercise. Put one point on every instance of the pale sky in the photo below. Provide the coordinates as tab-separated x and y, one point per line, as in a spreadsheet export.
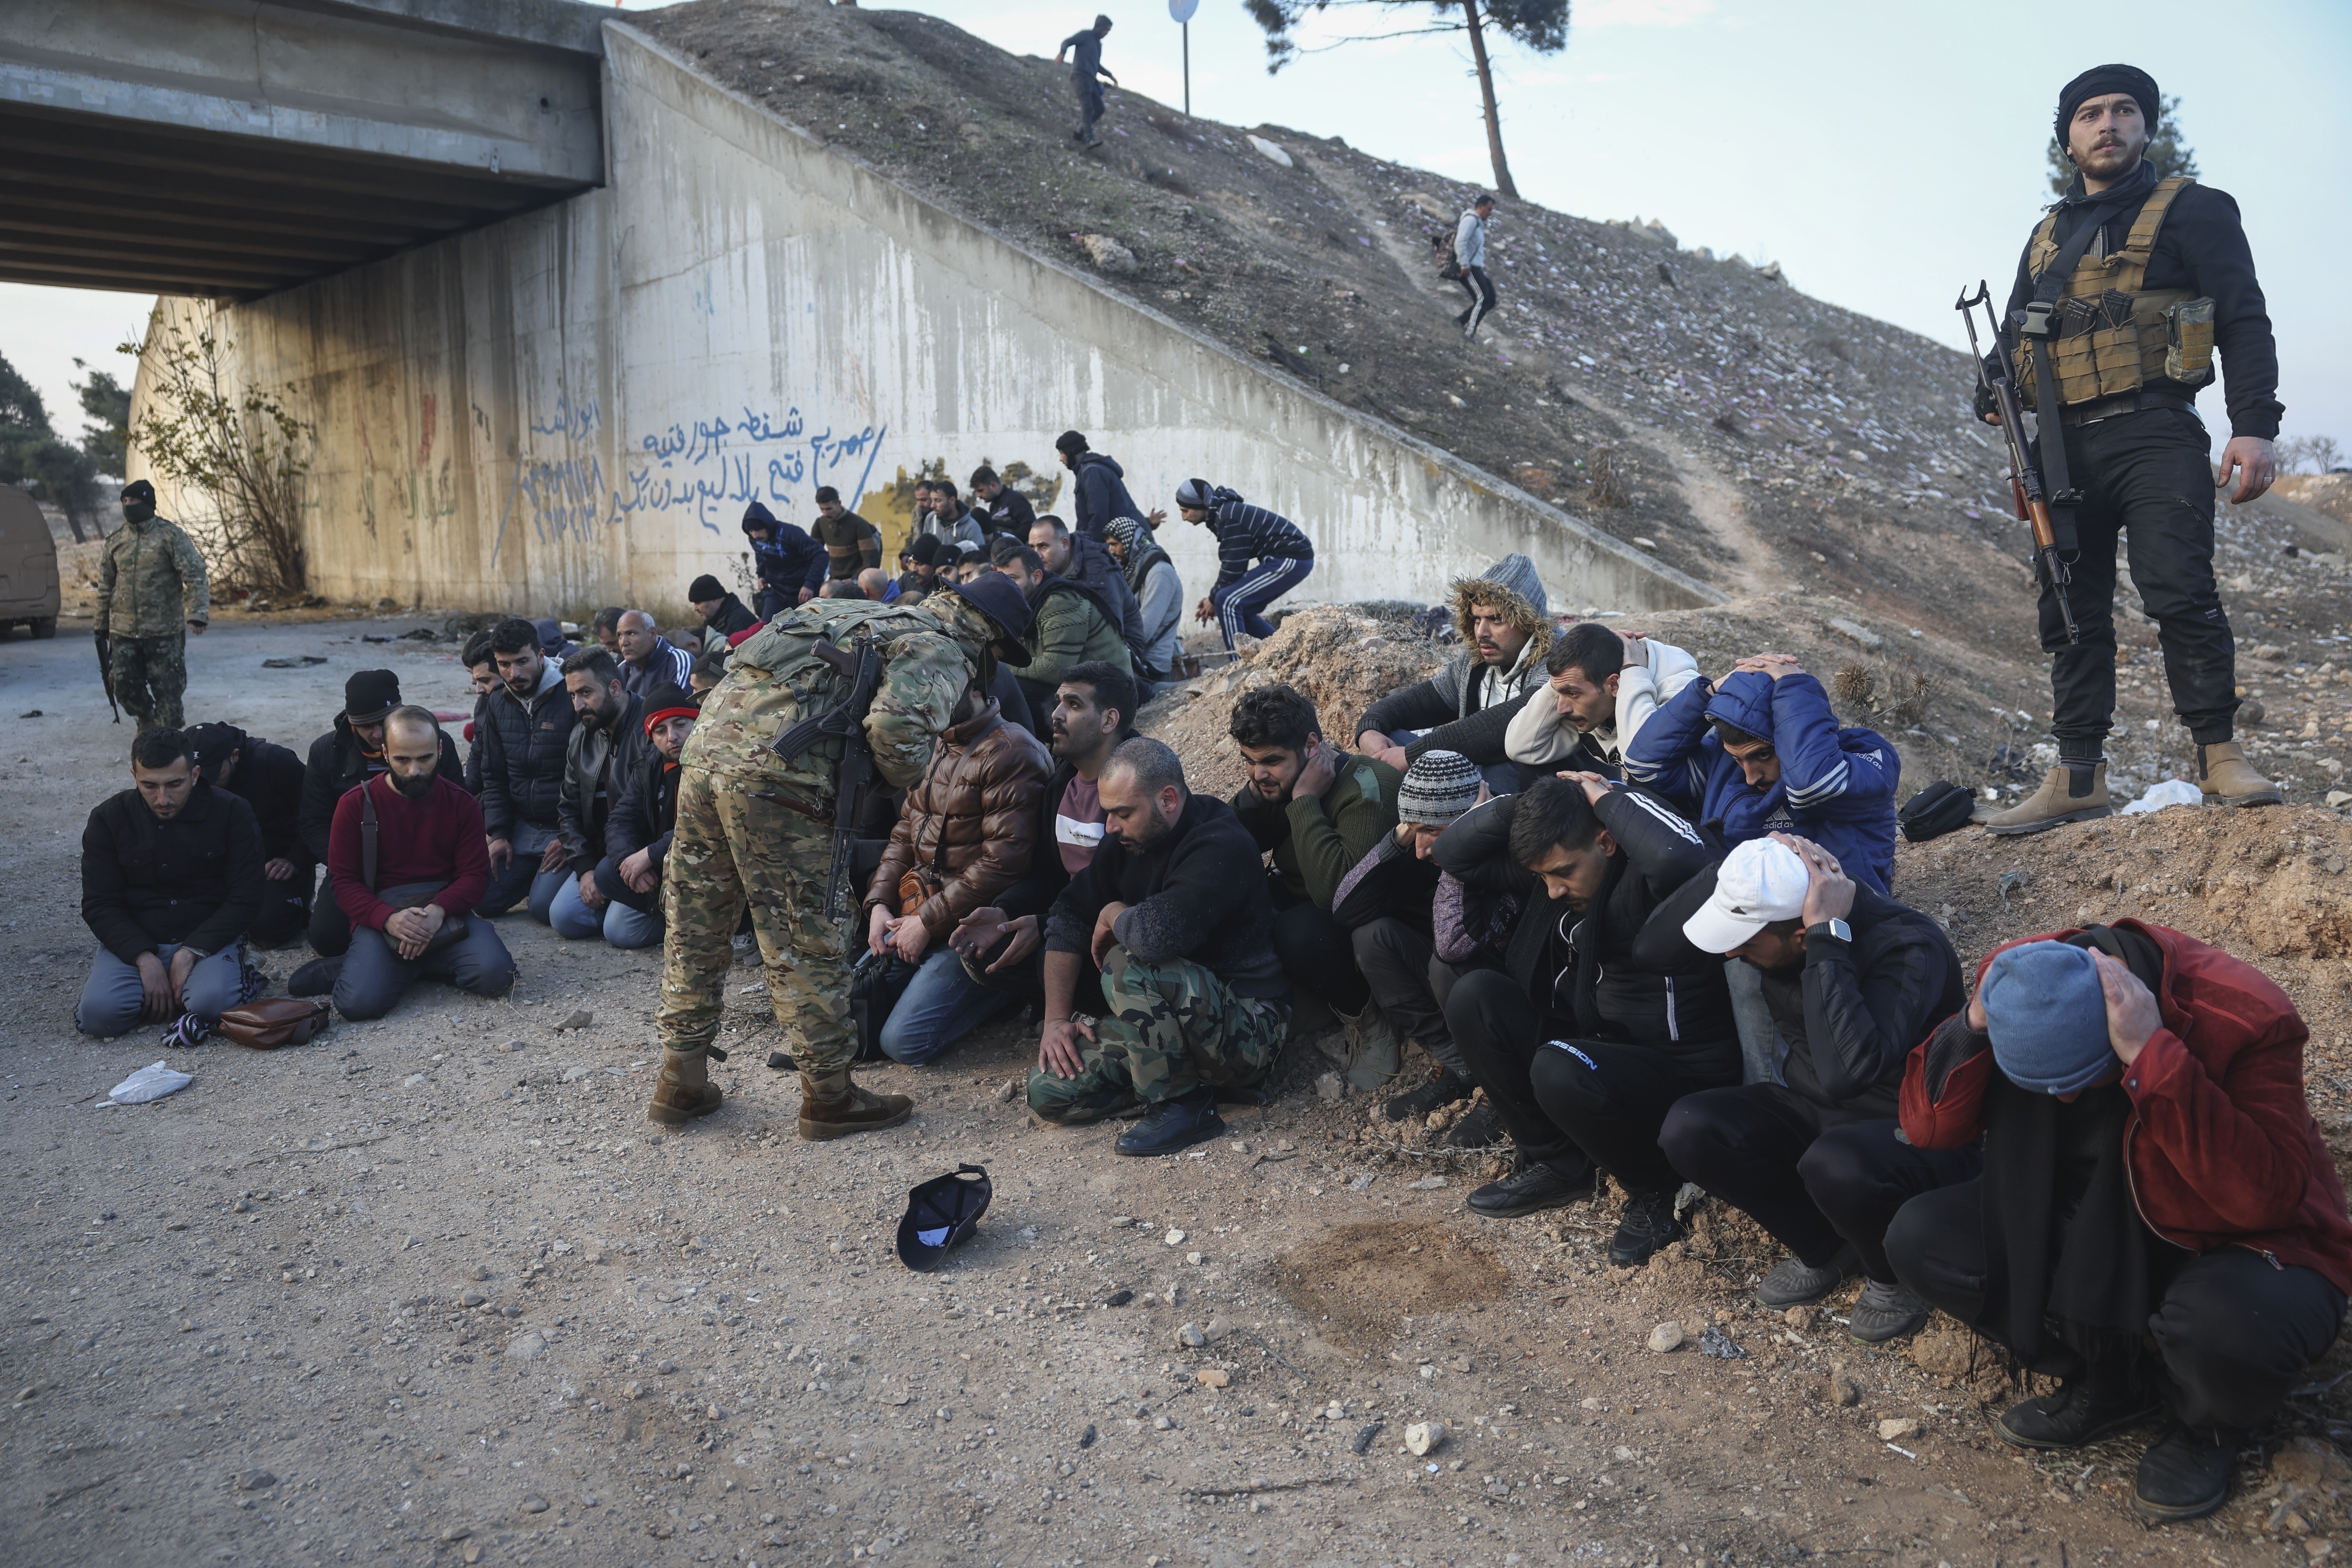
1884	155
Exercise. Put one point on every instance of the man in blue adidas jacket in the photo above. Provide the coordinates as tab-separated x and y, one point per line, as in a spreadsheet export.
1762	752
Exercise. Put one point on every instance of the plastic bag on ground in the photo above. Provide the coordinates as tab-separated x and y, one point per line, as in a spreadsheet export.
2172	792
151	1083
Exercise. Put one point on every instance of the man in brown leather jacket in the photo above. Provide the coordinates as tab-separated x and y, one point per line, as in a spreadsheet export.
967	833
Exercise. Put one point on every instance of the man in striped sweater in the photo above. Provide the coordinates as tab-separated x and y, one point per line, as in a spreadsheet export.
1260	555
649	659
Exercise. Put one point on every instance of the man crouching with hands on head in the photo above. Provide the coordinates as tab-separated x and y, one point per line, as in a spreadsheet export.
1174	909
2152	1176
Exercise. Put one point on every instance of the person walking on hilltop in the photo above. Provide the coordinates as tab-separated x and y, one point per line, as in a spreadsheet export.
1087	74
2143	278
152	592
1261	556
1470	255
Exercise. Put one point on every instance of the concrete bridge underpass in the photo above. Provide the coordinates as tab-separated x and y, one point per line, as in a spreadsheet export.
230	149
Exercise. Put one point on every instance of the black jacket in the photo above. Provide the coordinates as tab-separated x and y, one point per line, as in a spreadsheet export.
337	767
1010	513
645	817
1852	1013
523	749
596	766
1583	972
731	617
196	879
2202	248
1197	894
271	779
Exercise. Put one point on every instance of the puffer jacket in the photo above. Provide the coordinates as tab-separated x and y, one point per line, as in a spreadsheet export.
972	819
523	746
596	766
150	582
1071	627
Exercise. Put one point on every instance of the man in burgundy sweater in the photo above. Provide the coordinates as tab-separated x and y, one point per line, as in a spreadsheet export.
411	918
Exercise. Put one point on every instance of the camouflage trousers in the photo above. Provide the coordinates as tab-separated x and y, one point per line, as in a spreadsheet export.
1167	1029
151	677
732	848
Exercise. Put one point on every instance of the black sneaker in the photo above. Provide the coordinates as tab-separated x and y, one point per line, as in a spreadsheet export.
2071	1417
1442	1087
1190	1118
2185	1474
316	978
1886	1312
1482	1129
1531	1189
1647	1225
1795	1283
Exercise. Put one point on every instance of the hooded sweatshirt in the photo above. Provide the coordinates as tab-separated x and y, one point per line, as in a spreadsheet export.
790	560
1468	706
1098	493
1836	785
1540	737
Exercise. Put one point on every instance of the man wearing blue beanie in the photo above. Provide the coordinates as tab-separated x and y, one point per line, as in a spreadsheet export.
2151	1171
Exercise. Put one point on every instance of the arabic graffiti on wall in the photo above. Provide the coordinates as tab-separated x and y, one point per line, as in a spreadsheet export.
708	471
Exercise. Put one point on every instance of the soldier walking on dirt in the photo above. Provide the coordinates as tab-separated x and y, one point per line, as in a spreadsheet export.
151	584
2144	280
1087	74
754	827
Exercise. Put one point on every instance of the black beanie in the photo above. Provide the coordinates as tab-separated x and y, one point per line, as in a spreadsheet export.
926	549
704	587
2100	80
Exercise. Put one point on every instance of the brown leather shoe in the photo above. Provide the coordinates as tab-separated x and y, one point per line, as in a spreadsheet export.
684	1091
2228	779
2063	798
832	1106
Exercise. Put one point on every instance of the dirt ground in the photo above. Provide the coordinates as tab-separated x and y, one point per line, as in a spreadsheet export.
430	1289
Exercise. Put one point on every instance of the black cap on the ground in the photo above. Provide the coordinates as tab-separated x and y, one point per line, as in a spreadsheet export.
370	694
940	1214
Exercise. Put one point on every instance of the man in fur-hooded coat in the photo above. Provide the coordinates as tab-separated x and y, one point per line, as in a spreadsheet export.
1467	707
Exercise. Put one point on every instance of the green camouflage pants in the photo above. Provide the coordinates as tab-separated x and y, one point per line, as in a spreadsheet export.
151	677
731	848
1167	1028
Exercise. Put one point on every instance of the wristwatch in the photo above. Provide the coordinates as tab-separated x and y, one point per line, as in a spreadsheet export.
1831	928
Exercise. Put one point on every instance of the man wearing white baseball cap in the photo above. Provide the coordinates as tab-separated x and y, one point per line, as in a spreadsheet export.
1854	981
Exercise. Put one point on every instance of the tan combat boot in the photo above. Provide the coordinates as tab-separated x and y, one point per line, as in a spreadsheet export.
1373	1054
832	1106
684	1091
2228	779
2063	798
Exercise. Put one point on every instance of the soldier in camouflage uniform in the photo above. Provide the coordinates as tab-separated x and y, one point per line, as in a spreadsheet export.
1174	907
753	828
150	583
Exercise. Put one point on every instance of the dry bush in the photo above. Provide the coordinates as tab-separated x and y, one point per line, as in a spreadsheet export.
1604	480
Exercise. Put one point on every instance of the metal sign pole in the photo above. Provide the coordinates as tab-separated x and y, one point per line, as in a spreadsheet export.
1181	12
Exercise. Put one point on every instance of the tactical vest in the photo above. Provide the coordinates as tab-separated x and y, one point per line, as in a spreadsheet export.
2113	336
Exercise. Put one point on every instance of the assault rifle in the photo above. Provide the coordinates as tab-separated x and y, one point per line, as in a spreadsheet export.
106	673
861	663
2025	487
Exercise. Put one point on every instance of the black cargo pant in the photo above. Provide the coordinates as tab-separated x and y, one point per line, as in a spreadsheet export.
1398	962
285	909
1571	1104
1316	956
2233	1330
2146	479
1815	1176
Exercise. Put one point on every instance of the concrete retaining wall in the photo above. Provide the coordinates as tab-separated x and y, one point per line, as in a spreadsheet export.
572	408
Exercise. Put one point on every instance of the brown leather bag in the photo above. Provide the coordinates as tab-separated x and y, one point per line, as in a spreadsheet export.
274	1021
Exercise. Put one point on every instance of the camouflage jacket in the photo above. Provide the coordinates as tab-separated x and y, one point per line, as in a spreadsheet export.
774	681
151	580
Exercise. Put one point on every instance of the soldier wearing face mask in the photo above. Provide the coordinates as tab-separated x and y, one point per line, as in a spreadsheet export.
151	585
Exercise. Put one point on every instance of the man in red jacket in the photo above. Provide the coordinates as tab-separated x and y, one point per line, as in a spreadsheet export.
2151	1169
411	897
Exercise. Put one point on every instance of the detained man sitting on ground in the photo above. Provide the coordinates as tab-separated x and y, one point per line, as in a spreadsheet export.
171	879
1173	911
1069	626
268	779
411	886
1001	943
1854	981
1317	811
1467	707
637	834
967	833
341	761
1601	687
608	739
723	614
525	737
1581	1044
2152	1175
649	659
